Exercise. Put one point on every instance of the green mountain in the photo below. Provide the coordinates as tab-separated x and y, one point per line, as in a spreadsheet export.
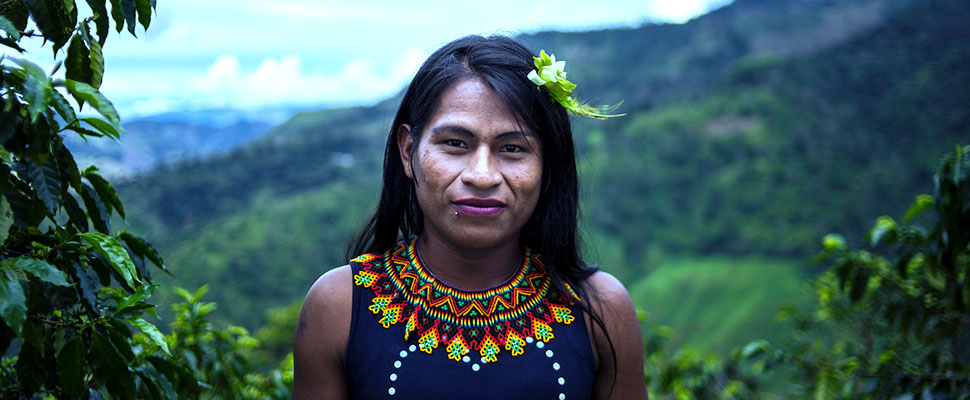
782	150
752	130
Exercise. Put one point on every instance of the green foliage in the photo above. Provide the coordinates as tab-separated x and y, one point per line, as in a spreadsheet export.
900	313
690	373
276	336
890	323
221	358
73	300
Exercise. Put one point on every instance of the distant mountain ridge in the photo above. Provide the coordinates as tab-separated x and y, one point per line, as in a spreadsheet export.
748	131
169	137
150	143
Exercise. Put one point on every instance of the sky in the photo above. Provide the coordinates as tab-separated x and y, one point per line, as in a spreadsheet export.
254	54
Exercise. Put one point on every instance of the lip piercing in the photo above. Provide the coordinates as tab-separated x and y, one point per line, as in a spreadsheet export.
456	213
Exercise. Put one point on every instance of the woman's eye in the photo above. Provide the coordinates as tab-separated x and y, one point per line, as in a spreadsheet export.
454	143
511	148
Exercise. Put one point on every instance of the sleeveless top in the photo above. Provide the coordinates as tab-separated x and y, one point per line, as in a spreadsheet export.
414	337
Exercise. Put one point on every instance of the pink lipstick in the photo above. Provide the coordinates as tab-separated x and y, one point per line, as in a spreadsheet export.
479	207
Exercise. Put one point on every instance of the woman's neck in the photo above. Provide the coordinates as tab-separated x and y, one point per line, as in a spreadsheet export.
469	269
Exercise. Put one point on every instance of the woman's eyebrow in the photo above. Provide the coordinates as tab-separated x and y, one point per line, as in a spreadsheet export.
522	134
466	132
452	129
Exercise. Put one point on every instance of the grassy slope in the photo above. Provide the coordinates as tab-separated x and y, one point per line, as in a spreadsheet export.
720	302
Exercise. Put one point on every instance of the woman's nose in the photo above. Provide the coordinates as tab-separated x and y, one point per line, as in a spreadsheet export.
482	171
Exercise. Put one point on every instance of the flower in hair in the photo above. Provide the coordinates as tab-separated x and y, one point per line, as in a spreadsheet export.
551	75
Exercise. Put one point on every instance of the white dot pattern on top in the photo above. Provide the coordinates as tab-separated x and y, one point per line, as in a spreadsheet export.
476	367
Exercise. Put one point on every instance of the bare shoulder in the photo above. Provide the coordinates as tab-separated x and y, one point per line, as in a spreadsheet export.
327	307
322	333
331	290
609	289
611	301
620	348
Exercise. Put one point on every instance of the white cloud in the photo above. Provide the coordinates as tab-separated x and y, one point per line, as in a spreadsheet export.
283	81
681	10
221	73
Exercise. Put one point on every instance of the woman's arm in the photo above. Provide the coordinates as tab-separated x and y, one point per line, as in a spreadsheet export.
322	332
612	304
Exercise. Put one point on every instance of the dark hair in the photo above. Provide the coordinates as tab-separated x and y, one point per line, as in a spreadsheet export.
503	64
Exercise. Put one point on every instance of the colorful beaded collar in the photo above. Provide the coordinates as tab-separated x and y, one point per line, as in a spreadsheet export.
505	317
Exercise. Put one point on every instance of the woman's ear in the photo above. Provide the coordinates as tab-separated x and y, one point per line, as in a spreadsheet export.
404	143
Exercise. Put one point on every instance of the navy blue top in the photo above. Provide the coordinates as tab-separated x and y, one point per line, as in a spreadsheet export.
380	364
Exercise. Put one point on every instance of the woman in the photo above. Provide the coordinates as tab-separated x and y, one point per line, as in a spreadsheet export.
470	282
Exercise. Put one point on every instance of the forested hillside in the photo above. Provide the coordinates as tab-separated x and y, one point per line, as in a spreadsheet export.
782	150
755	129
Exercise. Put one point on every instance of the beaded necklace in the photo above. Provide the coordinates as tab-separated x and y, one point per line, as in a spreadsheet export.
504	317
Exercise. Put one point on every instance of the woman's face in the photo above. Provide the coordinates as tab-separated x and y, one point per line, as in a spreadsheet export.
475	159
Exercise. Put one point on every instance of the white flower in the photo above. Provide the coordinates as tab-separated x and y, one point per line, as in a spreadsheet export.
554	72
548	70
